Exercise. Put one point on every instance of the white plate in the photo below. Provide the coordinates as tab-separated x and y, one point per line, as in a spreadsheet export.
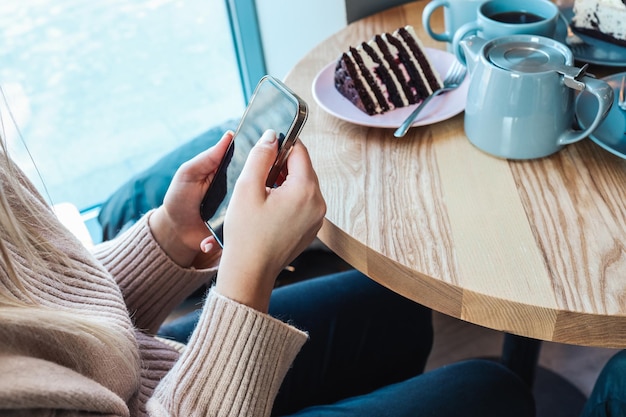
440	108
611	133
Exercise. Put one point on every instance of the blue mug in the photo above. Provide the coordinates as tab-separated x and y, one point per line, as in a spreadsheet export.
455	14
496	18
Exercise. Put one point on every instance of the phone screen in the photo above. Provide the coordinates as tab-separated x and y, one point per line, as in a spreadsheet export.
272	106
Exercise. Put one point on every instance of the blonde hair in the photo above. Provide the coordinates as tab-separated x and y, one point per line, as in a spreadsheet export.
20	230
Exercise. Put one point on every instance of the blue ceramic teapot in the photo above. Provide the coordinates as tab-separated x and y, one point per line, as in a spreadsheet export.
520	102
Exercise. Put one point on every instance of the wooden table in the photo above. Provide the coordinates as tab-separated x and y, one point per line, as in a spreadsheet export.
534	248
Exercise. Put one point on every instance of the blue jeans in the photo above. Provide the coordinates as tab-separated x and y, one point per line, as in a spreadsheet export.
366	353
608	398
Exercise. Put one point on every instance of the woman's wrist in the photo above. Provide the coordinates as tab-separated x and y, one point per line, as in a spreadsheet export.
166	235
248	283
253	296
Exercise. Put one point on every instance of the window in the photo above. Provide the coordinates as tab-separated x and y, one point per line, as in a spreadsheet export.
99	90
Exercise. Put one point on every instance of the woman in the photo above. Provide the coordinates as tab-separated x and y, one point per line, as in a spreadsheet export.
77	328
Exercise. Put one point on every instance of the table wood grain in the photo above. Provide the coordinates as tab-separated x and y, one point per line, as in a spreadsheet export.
533	248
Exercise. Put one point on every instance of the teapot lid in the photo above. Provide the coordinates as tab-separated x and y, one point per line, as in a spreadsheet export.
528	54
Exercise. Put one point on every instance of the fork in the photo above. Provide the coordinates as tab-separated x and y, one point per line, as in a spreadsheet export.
621	101
575	42
454	78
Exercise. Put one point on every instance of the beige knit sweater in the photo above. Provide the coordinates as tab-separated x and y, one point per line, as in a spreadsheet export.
232	366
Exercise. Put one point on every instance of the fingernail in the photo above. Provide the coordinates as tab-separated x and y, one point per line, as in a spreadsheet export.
269	136
206	248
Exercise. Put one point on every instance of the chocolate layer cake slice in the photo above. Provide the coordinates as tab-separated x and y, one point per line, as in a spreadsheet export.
389	71
602	19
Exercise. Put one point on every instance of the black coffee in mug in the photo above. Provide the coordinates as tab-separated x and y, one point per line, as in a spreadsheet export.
516	17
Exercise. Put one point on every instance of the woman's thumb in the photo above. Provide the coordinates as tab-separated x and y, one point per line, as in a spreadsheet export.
261	157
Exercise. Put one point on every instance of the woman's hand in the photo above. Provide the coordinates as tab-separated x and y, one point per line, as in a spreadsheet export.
266	228
177	225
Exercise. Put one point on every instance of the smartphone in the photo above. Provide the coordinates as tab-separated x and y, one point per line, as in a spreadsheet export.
272	106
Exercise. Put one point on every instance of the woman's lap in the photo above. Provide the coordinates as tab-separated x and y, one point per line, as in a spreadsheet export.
362	336
478	388
367	350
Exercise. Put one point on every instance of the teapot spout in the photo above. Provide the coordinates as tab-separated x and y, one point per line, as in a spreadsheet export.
471	48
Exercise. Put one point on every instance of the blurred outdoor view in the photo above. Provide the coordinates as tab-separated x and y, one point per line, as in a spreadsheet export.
99	90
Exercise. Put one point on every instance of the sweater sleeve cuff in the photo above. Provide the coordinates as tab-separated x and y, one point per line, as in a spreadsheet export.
236	361
152	284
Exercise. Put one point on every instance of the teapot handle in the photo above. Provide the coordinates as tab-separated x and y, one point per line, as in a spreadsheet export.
604	94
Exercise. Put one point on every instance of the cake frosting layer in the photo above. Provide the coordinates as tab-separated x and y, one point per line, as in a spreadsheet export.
389	71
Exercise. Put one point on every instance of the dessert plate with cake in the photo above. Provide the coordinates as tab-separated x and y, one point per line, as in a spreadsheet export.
601	24
378	83
611	133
